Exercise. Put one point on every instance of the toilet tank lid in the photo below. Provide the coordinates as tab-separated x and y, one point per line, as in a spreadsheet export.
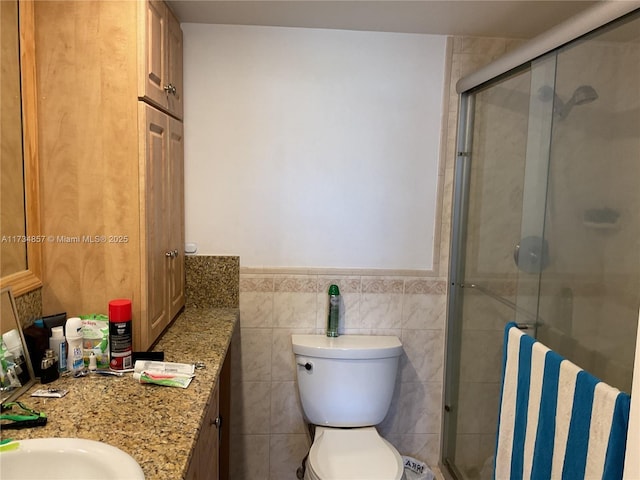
347	346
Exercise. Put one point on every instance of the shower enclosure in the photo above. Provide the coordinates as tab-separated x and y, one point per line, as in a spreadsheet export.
546	227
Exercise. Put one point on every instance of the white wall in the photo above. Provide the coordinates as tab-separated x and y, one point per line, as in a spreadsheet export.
312	148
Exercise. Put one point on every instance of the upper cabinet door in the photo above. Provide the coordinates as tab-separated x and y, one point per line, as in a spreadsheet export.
161	58
155	54
174	65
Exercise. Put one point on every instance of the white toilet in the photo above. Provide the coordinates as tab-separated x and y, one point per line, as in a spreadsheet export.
346	384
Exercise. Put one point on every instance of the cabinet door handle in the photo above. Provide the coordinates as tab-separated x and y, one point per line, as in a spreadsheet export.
217	422
170	89
171	254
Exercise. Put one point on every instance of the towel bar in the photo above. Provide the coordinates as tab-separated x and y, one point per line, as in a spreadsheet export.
508	303
525	326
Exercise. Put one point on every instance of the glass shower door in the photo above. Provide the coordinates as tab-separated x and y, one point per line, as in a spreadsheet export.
590	289
549	163
485	280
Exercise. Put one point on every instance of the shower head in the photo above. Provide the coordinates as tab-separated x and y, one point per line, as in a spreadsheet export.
583	94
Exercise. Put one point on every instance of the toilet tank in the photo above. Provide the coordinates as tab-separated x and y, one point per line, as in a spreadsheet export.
346	381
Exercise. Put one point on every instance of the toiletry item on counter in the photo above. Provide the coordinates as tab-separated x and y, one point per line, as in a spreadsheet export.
168	374
107	373
15	355
58	343
93	363
8	445
50	392
164	379
75	359
25	417
85	372
51	321
95	339
334	311
164	367
37	340
49	367
120	338
8	375
157	356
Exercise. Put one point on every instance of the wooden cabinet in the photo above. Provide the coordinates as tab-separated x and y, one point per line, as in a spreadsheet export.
175	207
210	457
162	147
205	458
112	183
161	54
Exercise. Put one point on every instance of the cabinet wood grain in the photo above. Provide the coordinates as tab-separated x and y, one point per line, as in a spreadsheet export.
210	457
104	200
160	51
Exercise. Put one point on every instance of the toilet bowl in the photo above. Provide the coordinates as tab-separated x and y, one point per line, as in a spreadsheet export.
352	454
346	385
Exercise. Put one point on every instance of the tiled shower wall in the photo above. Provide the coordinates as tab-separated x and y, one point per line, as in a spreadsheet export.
268	427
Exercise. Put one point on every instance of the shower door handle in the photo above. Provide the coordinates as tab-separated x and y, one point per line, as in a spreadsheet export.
532	258
531	254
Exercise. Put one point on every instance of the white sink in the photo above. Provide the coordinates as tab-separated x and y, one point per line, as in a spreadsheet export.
68	459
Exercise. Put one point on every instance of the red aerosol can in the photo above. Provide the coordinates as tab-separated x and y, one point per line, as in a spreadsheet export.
120	344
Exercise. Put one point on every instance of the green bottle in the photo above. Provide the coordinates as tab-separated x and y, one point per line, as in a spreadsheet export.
334	311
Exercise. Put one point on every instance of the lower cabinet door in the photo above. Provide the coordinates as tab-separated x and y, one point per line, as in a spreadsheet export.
204	461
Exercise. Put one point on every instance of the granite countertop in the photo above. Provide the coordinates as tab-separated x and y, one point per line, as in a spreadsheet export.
158	426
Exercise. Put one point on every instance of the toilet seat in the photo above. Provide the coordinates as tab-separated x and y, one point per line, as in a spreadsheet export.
352	454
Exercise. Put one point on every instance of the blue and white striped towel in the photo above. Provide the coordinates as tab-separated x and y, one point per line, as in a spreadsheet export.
556	420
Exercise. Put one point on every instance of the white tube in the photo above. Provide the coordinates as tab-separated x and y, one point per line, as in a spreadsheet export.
585	22
164	367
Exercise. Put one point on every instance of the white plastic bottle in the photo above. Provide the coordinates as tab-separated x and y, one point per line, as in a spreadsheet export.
58	344
13	343
75	360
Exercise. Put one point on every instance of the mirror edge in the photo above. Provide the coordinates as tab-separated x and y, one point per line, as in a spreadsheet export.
27	357
31	278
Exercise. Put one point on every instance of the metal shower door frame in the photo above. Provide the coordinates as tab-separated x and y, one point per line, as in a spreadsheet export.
460	210
533	221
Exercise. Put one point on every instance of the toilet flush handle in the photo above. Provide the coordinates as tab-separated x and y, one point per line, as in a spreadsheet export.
308	366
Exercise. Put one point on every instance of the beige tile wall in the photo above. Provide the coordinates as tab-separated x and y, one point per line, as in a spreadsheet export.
268	426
